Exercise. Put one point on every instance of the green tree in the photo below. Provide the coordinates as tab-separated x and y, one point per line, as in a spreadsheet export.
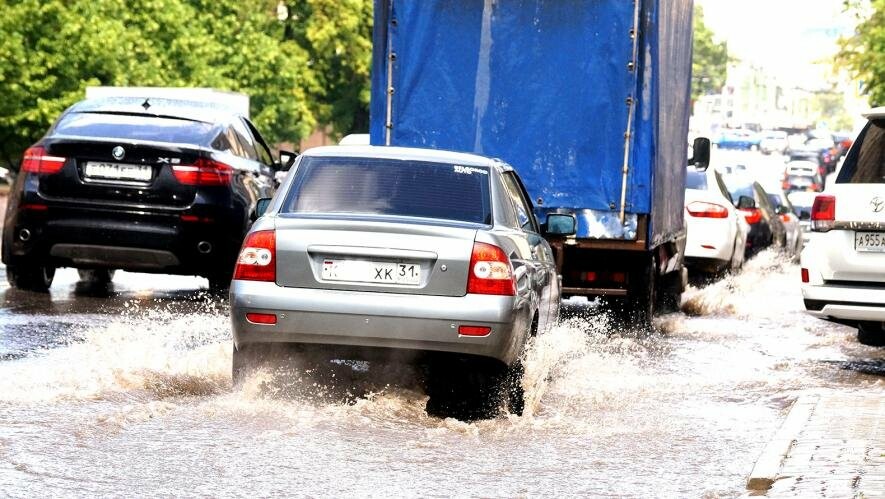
337	34
863	53
51	50
709	61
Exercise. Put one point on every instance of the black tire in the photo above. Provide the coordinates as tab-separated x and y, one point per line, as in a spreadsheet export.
219	283
96	276
515	391
472	389
30	277
246	359
642	295
871	334
669	294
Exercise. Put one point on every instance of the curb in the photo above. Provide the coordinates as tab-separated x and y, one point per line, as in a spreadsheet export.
769	463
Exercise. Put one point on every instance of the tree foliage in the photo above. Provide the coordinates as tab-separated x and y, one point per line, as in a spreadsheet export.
312	68
709	60
863	54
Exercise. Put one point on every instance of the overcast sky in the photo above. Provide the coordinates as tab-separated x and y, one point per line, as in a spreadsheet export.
785	36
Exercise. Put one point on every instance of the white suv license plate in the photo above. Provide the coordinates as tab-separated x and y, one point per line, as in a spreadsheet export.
869	241
100	170
371	272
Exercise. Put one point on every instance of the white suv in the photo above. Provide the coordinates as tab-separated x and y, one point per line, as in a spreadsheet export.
843	269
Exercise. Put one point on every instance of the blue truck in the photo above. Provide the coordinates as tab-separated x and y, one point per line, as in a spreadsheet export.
587	99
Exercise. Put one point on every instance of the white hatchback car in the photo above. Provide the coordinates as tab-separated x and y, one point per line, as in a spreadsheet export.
717	232
843	272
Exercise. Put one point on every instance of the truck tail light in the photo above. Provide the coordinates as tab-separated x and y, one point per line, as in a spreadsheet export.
203	172
702	209
823	213
37	161
257	260
805	277
752	215
490	271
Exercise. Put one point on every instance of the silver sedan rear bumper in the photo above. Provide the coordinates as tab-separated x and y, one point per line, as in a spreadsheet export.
380	320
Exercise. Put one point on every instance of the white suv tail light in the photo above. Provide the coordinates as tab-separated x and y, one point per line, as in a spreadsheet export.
823	213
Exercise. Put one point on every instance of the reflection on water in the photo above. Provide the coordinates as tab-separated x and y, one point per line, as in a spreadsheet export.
135	395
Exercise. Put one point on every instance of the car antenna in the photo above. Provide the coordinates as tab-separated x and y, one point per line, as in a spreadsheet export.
146	104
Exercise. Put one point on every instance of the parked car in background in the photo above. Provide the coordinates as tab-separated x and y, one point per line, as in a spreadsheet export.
716	232
802	175
787	215
145	185
766	227
382	252
738	139
843	270
802	202
774	141
732	169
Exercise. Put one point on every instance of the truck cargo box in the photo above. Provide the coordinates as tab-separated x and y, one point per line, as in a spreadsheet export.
553	87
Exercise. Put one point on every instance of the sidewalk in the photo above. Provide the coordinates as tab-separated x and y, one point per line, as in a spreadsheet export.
831	445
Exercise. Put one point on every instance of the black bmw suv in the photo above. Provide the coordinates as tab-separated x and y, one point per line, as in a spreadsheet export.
144	185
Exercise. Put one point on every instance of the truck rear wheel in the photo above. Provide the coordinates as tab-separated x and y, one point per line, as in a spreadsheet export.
642	295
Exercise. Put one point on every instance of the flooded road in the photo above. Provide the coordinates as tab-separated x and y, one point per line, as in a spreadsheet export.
127	391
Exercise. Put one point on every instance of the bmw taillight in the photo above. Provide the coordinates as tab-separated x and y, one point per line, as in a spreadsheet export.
703	209
491	272
203	172
257	260
37	161
823	213
752	215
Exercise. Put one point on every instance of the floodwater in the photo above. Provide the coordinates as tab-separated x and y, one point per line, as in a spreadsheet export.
127	391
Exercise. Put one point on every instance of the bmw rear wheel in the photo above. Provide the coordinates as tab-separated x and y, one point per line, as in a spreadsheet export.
30	277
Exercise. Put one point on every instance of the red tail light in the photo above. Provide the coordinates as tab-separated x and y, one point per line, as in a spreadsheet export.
257	260
490	271
752	215
823	213
36	161
805	277
267	319
474	330
702	209
203	172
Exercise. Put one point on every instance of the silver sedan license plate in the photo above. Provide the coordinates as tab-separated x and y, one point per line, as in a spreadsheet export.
870	241
371	272
100	170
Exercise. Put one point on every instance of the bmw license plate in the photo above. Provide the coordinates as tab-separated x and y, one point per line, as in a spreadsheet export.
371	272
100	170
870	241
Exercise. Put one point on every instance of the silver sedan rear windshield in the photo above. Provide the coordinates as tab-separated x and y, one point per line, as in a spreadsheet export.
375	186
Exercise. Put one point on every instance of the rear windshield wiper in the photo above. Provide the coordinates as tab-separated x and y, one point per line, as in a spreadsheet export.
151	115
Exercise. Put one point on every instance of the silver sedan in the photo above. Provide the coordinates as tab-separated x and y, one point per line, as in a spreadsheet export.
427	256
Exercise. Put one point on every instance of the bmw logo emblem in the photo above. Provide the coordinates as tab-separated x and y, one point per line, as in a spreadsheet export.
118	152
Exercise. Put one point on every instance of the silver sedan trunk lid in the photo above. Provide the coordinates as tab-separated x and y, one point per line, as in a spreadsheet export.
374	255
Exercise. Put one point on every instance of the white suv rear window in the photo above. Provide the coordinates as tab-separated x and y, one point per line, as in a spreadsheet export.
865	164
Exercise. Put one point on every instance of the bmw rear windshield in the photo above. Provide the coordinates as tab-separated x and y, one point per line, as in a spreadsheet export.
390	187
134	127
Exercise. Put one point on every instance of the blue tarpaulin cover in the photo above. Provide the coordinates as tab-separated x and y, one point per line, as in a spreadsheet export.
543	85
